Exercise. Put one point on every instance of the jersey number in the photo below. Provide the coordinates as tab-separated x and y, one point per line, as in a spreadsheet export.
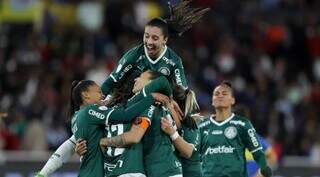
115	130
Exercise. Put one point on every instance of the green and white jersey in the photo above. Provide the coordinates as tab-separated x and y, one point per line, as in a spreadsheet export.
223	146
88	123
168	63
159	157
191	167
119	161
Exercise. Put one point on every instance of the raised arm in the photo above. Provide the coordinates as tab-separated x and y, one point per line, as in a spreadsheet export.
186	149
160	84
125	64
134	135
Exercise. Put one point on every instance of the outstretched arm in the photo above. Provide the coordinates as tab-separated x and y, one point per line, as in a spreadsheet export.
59	157
133	136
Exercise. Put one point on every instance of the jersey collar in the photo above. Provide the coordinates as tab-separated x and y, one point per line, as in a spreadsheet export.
223	122
161	55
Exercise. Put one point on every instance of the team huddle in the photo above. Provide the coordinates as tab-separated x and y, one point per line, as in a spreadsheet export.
149	124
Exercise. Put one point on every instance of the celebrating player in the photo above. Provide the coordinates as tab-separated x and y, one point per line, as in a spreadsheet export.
154	54
224	138
188	143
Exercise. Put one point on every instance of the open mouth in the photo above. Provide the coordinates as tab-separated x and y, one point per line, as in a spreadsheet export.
151	48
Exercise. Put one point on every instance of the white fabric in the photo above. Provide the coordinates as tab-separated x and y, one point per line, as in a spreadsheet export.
133	175
59	157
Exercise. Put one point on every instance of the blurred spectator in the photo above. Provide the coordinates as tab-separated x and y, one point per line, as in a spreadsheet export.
35	136
268	48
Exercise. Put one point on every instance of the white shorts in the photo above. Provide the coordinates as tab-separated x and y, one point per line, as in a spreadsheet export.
133	175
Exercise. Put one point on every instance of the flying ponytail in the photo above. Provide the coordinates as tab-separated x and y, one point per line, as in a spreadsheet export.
182	17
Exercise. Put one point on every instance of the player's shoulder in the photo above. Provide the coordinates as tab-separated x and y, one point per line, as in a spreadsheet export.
136	50
204	123
92	108
239	120
173	55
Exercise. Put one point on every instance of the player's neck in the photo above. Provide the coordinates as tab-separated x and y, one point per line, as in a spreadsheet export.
222	114
158	54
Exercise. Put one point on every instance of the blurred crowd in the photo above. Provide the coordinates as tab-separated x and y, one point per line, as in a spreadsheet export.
269	49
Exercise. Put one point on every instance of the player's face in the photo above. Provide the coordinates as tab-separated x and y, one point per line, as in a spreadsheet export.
141	81
93	95
154	40
222	97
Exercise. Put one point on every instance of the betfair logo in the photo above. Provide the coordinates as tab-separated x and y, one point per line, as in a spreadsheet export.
220	150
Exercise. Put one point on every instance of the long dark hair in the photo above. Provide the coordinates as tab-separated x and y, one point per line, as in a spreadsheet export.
181	19
123	90
77	87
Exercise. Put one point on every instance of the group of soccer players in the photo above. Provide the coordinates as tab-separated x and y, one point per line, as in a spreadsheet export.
148	126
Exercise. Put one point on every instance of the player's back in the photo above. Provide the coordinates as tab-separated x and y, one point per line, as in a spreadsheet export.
83	127
159	158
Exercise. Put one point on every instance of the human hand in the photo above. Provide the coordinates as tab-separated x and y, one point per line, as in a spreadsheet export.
163	99
167	127
81	147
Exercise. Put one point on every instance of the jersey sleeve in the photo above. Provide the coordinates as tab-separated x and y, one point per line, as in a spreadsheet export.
192	136
99	114
179	75
127	114
253	144
251	139
148	114
160	84
125	64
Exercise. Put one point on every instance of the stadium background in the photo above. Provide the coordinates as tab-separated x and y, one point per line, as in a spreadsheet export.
269	49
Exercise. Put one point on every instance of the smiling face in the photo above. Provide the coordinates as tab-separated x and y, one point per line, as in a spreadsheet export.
222	97
154	41
92	95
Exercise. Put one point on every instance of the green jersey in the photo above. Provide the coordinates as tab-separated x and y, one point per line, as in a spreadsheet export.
168	64
119	161
223	146
89	123
159	157
191	167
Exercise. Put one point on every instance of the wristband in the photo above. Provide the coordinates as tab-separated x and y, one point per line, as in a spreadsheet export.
174	136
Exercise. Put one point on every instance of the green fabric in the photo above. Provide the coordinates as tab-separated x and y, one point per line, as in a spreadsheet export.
223	146
191	167
169	65
159	158
119	161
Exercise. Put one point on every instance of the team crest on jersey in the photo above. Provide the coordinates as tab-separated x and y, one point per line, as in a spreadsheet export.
164	71
230	132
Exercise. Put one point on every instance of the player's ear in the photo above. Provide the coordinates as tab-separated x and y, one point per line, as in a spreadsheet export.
165	40
233	101
85	95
